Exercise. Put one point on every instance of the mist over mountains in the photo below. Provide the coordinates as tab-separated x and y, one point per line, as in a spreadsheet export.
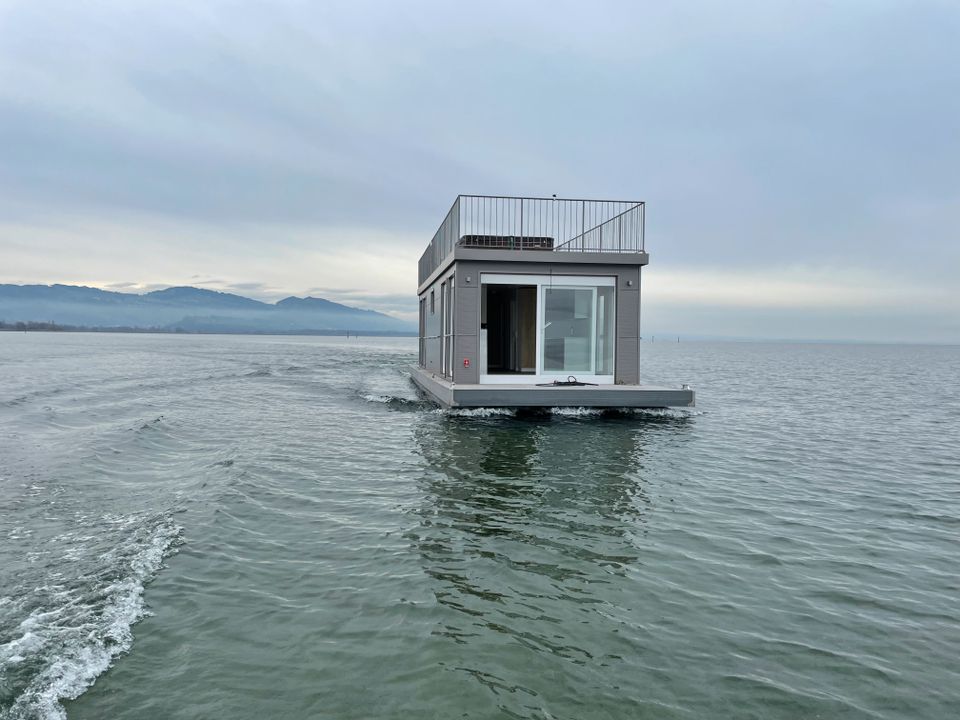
188	309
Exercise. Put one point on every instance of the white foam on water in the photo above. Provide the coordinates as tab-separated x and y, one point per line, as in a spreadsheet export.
476	412
90	644
576	411
572	412
656	412
395	401
390	387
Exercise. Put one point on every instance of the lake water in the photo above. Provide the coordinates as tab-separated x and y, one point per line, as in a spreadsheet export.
253	527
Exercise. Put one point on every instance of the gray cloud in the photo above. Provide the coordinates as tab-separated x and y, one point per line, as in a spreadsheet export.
239	139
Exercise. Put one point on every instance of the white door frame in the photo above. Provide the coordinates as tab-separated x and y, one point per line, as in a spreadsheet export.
541	282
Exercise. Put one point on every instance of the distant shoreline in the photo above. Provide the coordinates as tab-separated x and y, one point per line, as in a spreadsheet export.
55	327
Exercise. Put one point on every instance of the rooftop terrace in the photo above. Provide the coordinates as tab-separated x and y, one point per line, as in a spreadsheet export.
539	224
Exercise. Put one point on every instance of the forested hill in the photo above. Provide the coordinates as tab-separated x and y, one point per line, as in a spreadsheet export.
186	308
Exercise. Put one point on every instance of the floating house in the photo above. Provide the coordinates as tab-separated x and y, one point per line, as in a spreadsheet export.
535	302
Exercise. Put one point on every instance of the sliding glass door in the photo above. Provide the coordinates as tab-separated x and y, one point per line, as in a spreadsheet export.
575	328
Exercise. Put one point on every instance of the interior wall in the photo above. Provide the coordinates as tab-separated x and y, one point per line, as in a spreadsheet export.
527	327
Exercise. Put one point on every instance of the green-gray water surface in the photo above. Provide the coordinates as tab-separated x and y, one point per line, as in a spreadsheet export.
253	527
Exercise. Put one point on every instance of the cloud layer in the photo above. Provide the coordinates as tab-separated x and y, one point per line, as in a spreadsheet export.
799	160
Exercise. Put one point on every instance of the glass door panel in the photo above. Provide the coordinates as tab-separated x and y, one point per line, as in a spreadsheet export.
569	332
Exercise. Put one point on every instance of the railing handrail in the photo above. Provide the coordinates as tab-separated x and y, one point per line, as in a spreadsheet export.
599	225
558	199
531	216
440	226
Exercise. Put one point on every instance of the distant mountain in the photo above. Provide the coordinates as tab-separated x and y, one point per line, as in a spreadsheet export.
187	308
308	303
183	296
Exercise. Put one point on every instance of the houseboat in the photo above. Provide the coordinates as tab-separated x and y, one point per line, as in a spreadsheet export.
535	302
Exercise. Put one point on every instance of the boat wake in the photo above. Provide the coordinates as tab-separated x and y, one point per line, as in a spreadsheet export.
397	402
75	627
393	388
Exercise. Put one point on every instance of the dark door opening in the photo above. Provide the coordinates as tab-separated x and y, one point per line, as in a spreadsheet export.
509	315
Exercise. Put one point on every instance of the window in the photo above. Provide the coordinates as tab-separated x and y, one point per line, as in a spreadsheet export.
433	305
446	310
423	331
443	327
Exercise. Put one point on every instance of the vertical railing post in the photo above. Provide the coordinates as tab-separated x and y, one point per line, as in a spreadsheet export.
521	223
583	223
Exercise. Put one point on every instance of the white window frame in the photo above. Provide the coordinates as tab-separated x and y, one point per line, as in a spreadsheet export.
447	320
543	282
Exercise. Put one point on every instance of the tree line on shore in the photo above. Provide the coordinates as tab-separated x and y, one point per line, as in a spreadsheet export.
33	326
37	326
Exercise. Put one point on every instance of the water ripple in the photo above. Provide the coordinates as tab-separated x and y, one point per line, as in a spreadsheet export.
344	549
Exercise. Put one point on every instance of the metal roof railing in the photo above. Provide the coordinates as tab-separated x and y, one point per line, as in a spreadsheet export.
532	223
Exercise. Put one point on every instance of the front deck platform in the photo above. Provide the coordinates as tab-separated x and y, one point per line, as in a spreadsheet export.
448	394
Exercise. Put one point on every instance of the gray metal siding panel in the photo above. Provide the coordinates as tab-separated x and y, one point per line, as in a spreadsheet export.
465	348
467	310
628	313
558	268
541	258
466	324
628	361
628	347
434	355
629	275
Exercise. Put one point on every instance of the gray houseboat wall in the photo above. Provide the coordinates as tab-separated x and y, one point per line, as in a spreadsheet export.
467	312
437	303
450	309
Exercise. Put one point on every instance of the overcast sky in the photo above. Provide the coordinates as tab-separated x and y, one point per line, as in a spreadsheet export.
800	160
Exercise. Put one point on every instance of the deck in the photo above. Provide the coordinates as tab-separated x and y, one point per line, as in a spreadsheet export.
447	394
